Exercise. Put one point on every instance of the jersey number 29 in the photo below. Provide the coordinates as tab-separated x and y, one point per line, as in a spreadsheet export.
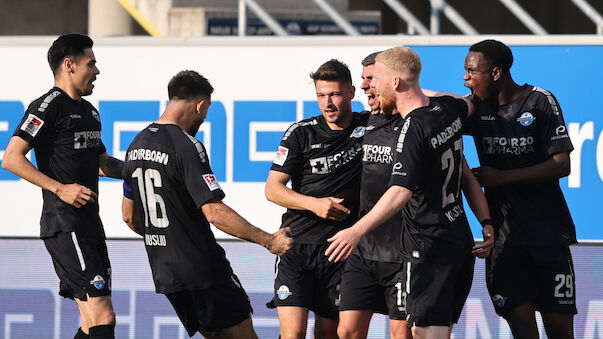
150	199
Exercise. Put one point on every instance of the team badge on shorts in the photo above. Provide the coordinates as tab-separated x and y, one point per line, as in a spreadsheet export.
283	292
499	301
98	282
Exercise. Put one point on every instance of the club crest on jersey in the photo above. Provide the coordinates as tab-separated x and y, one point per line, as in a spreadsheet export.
358	132
499	301
526	119
283	292
98	282
211	182
281	155
32	125
95	115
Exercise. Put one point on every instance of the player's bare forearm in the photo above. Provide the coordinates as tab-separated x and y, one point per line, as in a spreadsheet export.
344	241
14	160
110	166
474	194
556	167
327	208
130	215
277	192
229	221
389	204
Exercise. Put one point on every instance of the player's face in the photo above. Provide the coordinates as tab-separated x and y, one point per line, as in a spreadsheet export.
478	75
384	90
367	77
335	102
85	72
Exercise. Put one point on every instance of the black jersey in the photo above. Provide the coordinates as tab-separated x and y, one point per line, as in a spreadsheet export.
65	135
322	162
171	179
429	162
379	145
524	133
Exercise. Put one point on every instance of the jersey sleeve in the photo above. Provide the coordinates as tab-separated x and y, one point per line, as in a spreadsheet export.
469	124
289	156
409	157
462	108
199	180
128	191
554	136
38	120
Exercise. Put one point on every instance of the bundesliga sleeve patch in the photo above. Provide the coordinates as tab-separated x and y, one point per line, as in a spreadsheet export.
32	125
211	182
281	155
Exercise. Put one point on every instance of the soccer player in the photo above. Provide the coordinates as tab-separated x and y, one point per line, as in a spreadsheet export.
174	197
64	131
426	180
374	275
321	156
523	147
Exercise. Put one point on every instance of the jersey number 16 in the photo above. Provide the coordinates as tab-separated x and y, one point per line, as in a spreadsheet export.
150	199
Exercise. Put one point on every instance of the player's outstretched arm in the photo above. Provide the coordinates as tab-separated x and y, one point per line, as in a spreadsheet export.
557	166
15	161
479	205
109	166
277	192
229	221
431	93
344	241
129	214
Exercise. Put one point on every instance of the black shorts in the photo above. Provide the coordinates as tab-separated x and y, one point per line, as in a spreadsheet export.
222	305
81	263
543	276
374	285
304	277
437	291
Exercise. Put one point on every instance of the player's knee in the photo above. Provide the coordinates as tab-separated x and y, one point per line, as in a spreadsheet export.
293	334
325	333
347	333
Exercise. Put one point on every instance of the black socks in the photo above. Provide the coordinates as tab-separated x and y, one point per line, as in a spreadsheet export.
102	332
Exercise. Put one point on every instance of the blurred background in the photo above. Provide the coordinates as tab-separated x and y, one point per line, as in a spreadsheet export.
197	18
260	74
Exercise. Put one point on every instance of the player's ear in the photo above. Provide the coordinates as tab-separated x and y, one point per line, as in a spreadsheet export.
68	64
396	82
497	73
199	105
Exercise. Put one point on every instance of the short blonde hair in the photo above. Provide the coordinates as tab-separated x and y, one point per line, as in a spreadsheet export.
402	60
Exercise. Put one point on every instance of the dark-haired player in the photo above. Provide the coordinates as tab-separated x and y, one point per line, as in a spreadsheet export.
523	148
174	197
374	275
321	156
64	131
426	181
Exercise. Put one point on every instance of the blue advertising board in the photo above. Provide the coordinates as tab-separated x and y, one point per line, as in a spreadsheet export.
254	127
31	308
